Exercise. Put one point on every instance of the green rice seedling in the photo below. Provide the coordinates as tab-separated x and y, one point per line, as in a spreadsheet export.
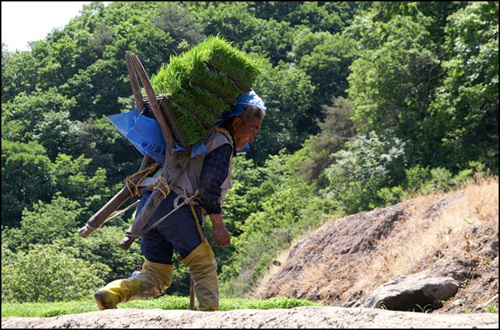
492	308
425	309
202	83
196	131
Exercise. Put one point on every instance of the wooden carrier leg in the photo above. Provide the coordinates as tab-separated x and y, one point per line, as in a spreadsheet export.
124	194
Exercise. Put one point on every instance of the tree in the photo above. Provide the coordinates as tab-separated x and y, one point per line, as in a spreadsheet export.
49	273
19	74
336	129
25	178
57	133
25	112
46	223
392	80
370	163
463	119
73	179
325	16
288	95
177	21
326	58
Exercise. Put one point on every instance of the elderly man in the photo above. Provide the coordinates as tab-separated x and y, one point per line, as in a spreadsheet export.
210	175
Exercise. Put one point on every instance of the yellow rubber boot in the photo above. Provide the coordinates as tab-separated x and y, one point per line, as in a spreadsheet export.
201	262
151	282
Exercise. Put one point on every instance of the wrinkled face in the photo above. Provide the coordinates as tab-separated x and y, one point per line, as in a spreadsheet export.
245	132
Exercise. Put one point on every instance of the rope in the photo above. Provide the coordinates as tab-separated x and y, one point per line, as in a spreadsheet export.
89	226
144	174
186	200
223	131
200	231
122	211
195	215
165	186
115	215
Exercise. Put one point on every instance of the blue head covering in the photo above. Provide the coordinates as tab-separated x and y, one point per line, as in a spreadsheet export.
250	98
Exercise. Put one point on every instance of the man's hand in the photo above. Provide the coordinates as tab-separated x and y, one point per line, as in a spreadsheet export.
221	235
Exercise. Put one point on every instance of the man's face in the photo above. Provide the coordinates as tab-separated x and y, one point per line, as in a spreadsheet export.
245	132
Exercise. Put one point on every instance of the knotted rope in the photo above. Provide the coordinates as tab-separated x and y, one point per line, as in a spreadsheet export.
165	186
144	174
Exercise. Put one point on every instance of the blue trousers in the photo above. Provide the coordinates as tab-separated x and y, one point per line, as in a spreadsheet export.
177	232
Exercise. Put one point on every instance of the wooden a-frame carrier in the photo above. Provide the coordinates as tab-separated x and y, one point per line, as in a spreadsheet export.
175	162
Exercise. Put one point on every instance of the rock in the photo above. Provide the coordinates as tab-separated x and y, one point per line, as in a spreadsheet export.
406	292
494	246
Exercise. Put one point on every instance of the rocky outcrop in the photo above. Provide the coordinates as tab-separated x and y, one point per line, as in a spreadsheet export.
425	254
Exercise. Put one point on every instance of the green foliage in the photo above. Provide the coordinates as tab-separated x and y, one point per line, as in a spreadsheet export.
425	71
100	141
442	179
47	273
324	16
21	187
45	224
389	196
390	80
290	210
27	113
57	133
336	129
370	163
176	20
70	177
47	309
416	176
326	58
75	181
288	94
464	116
232	20
19	74
426	309
102	247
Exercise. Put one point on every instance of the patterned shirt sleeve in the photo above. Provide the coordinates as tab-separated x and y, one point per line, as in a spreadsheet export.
213	173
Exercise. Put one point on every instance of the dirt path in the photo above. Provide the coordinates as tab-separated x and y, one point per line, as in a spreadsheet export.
300	317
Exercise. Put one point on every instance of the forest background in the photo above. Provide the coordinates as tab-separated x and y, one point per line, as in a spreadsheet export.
367	104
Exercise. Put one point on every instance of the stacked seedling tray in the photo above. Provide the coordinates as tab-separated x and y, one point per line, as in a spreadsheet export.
200	85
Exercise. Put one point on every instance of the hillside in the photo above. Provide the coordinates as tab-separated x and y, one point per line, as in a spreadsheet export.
443	235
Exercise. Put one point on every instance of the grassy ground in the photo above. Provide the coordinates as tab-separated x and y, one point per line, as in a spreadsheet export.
164	302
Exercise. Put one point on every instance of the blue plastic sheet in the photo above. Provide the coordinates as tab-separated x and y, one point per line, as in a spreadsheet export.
144	133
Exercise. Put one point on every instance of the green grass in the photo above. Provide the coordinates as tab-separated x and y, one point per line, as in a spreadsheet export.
164	302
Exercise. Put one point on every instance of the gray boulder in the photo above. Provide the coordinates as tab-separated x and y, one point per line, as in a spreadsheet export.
404	293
